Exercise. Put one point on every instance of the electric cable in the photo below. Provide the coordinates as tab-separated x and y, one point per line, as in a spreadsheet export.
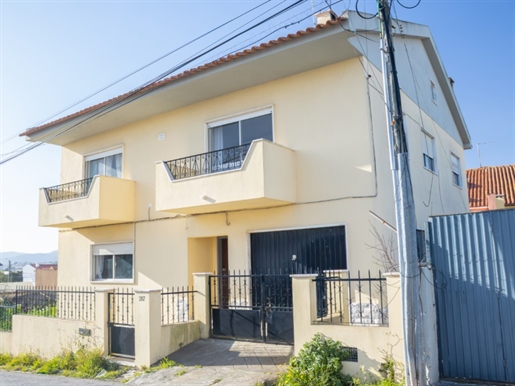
141	89
407	7
361	15
143	67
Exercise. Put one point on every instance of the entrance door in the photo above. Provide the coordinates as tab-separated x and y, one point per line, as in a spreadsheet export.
223	270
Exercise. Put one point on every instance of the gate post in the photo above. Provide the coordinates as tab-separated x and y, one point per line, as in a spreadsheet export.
147	325
202	302
304	307
102	317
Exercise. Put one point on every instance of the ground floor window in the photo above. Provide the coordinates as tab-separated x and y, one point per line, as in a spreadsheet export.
113	262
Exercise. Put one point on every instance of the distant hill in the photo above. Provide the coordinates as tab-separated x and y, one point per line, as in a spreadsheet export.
20	257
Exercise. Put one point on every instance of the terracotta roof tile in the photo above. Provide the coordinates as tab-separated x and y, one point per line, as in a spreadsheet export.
186	73
491	180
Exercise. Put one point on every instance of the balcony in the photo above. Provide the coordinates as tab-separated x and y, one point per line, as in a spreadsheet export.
100	200
253	176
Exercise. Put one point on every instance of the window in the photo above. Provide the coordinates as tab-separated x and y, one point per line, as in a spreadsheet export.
428	152
456	170
241	130
113	262
108	163
434	95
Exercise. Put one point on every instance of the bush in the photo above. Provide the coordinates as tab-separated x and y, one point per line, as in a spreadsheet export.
319	363
83	364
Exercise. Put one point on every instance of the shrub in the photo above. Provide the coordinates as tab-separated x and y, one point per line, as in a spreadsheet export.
63	362
318	363
91	362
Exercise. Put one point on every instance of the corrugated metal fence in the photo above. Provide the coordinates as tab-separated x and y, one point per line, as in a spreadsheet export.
474	260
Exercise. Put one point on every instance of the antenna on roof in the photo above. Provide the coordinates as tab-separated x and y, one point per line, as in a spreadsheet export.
479	151
313	12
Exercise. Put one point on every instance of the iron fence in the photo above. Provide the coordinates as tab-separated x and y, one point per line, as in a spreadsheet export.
343	299
208	163
73	303
121	306
252	291
68	191
177	305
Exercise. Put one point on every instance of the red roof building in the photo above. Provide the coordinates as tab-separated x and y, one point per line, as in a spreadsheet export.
491	187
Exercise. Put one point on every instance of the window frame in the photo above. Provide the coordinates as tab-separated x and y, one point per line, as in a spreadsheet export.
127	247
431	148
103	154
434	94
456	173
238	117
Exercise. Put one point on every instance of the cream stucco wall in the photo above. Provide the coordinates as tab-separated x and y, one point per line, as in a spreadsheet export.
373	343
49	337
5	342
332	118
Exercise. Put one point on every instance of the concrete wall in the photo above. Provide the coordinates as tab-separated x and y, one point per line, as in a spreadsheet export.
154	341
6	342
50	336
372	342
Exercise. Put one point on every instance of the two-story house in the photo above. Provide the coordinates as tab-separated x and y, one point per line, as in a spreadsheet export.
274	159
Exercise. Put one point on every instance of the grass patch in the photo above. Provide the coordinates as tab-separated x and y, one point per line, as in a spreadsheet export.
82	364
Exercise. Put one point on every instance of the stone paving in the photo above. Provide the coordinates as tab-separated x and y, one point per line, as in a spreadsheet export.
221	362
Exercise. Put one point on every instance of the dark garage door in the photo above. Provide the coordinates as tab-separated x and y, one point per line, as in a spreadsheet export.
298	251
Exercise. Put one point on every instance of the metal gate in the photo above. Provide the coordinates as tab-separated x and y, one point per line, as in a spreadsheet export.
252	307
121	323
474	271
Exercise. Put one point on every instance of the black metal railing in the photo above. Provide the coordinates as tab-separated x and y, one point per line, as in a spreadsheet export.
68	191
343	299
251	291
208	163
177	305
73	303
121	306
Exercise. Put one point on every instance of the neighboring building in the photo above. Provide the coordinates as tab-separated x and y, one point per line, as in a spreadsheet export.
274	159
491	187
40	275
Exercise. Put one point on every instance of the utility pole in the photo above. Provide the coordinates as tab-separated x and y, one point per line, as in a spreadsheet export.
404	204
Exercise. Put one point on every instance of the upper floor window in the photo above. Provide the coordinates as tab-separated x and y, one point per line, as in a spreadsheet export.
428	152
113	261
240	130
434	95
108	163
456	170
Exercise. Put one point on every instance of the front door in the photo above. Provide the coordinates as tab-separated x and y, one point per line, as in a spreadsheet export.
223	270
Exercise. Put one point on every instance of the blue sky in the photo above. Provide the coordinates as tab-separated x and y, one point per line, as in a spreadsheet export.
53	53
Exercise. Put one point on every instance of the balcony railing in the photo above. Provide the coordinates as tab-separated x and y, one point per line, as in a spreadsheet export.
68	191
208	163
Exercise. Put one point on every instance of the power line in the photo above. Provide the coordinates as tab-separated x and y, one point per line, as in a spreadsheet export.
144	67
128	97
